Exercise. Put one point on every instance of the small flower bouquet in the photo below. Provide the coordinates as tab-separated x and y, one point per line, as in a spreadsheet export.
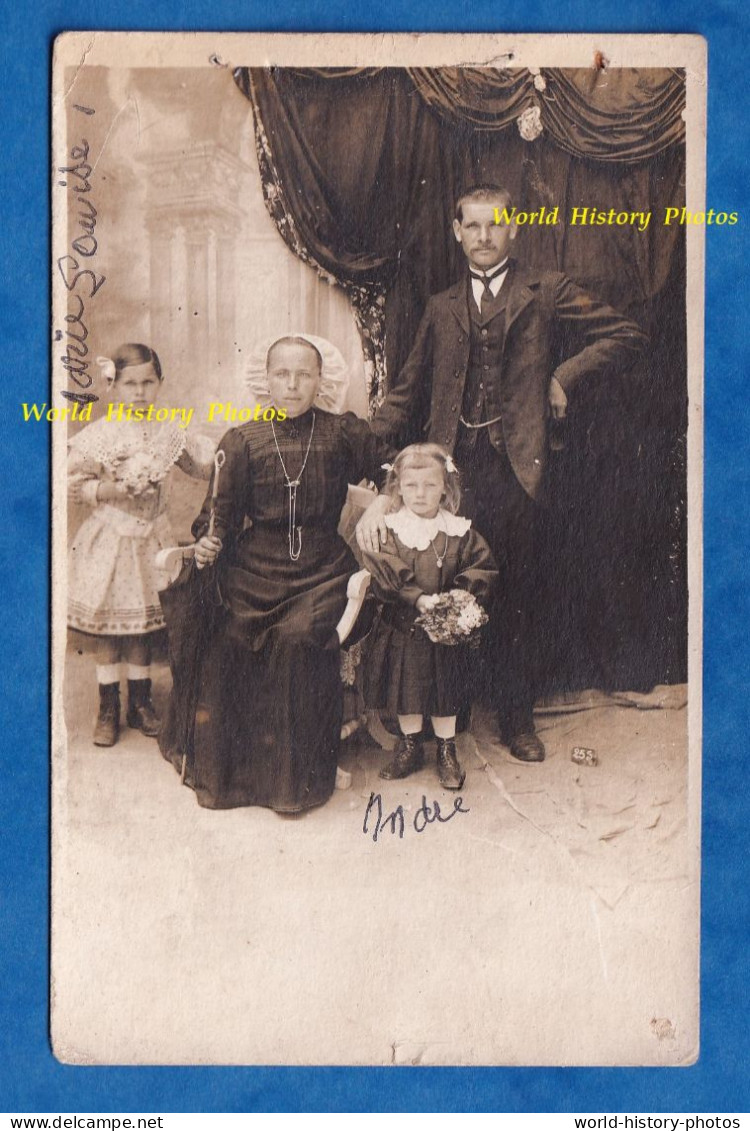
140	472
454	617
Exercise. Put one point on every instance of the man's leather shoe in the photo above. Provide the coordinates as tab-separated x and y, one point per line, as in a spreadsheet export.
449	769
527	747
409	758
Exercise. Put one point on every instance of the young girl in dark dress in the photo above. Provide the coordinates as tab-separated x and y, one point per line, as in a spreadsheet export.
430	549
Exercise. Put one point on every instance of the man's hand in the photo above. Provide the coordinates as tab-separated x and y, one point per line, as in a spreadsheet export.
207	550
371	530
558	401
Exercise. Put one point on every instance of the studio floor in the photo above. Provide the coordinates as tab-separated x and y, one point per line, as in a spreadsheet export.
554	921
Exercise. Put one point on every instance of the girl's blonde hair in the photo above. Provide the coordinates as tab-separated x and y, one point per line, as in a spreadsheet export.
424	455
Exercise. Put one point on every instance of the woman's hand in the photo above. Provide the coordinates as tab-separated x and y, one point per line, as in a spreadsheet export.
371	530
207	550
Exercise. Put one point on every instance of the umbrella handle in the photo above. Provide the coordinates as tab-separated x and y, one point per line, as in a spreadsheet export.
168	559
219	461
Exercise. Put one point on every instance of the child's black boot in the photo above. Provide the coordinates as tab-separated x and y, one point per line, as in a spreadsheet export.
449	770
108	721
409	758
141	713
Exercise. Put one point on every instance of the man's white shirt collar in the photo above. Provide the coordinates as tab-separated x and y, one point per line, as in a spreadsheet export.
477	284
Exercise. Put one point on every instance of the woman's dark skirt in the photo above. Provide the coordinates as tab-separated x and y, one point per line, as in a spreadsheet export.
268	693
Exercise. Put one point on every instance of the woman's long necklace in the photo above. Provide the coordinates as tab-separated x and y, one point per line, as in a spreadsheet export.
295	532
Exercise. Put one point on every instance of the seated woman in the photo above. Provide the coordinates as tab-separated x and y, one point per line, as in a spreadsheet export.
269	701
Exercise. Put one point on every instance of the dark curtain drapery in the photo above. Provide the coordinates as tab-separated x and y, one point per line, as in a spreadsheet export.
360	171
610	115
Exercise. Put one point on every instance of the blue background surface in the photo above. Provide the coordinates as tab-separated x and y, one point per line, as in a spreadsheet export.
30	1078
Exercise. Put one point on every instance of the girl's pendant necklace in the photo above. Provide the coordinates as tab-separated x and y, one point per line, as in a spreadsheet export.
295	532
440	558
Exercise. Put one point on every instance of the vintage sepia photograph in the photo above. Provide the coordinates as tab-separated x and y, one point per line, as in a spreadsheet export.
376	413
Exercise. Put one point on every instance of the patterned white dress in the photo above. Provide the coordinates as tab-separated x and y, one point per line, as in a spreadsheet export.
113	582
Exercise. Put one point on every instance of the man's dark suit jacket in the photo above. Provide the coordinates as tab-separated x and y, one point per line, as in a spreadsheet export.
544	312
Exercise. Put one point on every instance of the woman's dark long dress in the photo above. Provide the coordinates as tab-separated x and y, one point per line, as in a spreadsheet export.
269	709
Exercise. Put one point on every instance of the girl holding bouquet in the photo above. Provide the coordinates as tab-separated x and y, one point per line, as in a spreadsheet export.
118	468
430	574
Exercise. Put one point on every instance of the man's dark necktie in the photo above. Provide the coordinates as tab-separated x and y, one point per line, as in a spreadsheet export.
487	296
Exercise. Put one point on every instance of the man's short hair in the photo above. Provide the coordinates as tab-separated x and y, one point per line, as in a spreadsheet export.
482	192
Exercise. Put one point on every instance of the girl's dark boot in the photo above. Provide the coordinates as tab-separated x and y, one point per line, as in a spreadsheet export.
409	758
449	770
108	721
141	713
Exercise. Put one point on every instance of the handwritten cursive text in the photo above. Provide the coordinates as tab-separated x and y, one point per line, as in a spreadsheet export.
427	814
77	270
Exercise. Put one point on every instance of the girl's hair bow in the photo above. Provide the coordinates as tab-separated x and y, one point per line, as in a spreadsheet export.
107	366
450	466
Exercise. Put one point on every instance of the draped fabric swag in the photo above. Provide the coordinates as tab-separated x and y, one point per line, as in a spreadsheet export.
360	170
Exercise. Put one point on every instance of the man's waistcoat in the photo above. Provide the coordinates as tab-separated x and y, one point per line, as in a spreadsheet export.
521	378
482	391
429	395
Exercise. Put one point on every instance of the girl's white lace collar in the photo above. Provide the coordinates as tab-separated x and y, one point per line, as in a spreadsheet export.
417	533
110	441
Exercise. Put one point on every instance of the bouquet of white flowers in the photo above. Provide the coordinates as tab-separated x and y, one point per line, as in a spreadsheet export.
140	472
454	617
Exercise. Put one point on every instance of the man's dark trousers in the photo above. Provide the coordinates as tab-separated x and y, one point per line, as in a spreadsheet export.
511	522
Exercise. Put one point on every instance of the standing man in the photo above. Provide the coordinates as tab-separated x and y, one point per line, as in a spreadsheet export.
493	362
